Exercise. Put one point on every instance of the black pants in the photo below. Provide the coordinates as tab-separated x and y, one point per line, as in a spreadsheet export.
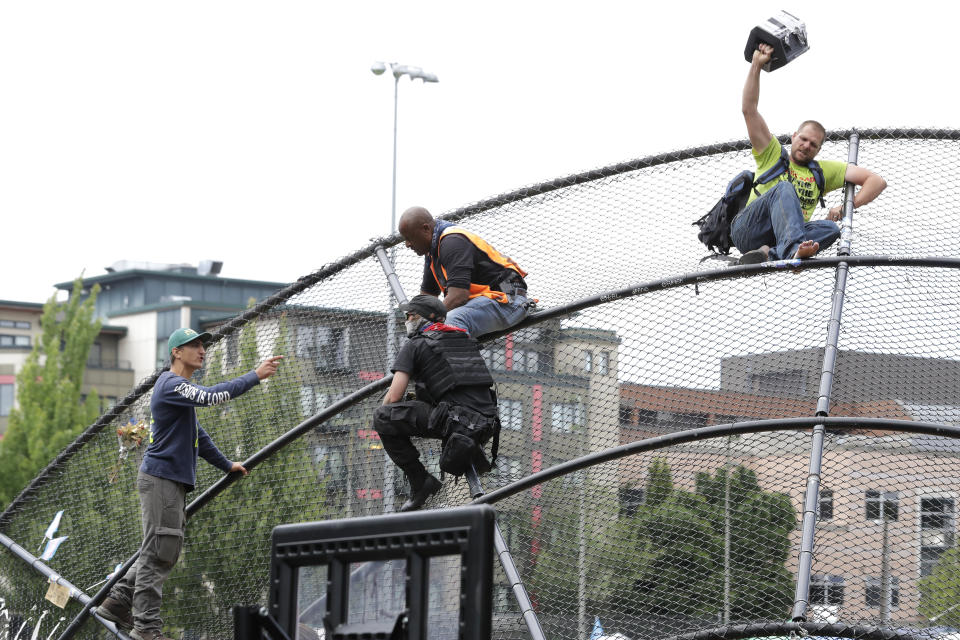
396	423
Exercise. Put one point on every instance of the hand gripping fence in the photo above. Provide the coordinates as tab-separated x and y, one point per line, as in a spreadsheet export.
685	453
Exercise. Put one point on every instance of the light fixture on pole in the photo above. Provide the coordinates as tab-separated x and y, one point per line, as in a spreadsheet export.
398	71
415	73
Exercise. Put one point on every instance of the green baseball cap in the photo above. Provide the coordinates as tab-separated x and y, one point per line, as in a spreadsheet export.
184	335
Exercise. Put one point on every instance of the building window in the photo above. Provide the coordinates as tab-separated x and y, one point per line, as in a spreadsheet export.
529	334
503	598
511	414
626	416
312	400
668	421
936	531
330	466
496	358
233	350
886	502
646	417
825	505
826	589
874	591
14	324
14	341
779	382
588	361
508	470
630	500
327	347
603	363
95	357
567	416
6	399
572	481
524	360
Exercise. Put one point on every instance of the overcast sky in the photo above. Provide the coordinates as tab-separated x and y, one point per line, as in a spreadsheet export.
254	132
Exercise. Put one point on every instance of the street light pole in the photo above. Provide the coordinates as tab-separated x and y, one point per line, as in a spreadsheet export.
398	71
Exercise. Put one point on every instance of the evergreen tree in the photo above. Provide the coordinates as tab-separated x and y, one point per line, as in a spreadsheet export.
669	555
50	412
760	524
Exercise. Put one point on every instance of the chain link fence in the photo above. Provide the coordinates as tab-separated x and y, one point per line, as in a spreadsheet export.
635	337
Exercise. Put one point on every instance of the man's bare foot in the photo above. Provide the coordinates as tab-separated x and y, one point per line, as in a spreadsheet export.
807	249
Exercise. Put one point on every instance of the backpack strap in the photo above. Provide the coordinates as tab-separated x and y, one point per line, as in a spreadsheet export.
775	171
783	165
817	172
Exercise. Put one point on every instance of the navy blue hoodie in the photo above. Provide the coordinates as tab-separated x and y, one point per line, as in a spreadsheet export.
175	435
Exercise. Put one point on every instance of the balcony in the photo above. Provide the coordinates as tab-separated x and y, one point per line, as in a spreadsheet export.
108	363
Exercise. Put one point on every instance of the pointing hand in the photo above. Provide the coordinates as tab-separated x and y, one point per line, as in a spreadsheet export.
268	367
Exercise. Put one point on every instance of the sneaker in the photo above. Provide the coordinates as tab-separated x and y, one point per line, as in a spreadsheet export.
116	612
430	486
153	634
753	257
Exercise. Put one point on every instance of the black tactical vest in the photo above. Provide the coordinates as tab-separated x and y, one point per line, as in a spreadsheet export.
456	363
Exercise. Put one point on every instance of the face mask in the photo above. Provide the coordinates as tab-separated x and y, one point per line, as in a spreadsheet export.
412	326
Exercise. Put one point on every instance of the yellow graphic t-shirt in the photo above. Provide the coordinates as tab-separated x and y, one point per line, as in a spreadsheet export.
801	177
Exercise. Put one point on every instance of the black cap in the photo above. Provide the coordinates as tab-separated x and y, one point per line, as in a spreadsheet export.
425	306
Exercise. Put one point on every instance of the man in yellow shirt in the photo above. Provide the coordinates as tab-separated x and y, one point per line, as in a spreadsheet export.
776	224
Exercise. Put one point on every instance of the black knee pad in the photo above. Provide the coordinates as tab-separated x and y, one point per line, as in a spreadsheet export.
381	419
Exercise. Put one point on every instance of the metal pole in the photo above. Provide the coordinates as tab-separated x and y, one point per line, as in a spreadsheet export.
53	576
386	263
509	568
812	496
581	559
393	202
388	475
726	538
885	590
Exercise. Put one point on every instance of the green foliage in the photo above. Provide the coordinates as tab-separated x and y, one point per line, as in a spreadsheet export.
659	482
670	555
940	591
50	414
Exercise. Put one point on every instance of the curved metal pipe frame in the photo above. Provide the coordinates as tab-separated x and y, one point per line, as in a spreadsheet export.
692	278
662	284
797	630
713	431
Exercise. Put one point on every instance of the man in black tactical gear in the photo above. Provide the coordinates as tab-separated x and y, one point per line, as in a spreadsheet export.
455	400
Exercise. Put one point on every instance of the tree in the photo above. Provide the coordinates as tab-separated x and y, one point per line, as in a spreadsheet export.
940	591
670	555
760	523
50	412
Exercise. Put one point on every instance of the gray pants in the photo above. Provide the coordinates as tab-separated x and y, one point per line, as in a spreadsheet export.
161	504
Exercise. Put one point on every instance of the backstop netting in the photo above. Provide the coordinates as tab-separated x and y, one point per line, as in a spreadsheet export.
636	356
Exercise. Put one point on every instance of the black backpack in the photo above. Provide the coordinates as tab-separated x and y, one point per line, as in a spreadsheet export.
715	225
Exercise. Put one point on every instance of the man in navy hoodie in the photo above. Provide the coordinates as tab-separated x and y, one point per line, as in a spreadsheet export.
168	472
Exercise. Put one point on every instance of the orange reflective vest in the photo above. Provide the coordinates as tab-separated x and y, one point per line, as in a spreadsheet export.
491	253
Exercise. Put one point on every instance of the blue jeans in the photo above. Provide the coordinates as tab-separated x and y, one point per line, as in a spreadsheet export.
483	315
775	219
